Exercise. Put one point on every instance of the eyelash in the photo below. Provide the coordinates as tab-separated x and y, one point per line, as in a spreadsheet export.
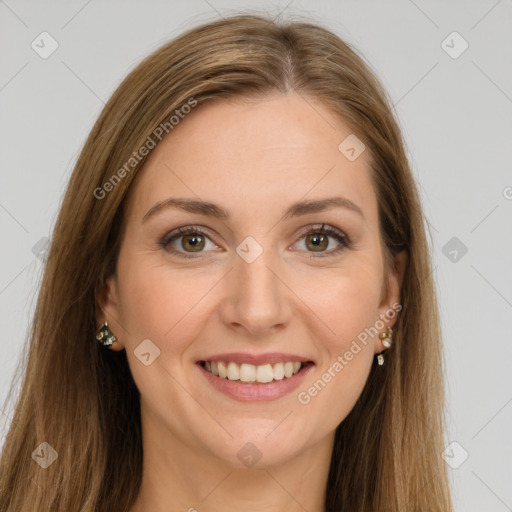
343	239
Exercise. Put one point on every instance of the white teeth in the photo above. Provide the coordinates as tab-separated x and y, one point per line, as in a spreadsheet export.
233	371
223	371
279	371
247	372
264	373
250	373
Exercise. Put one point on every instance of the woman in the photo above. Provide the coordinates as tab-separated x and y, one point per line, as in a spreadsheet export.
237	309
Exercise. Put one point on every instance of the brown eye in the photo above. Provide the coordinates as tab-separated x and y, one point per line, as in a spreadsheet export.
318	239
186	241
193	242
317	242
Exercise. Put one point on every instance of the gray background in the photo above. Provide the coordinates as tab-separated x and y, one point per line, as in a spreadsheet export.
456	115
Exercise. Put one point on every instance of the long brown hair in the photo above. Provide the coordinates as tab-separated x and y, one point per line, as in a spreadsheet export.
81	398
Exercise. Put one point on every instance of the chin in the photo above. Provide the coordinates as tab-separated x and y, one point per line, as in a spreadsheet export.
259	444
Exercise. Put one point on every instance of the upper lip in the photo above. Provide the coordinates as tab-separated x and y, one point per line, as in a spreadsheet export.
257	359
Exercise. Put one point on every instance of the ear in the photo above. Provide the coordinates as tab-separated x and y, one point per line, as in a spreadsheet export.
108	309
388	310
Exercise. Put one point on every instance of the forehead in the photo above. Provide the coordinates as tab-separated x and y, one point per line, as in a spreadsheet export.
256	152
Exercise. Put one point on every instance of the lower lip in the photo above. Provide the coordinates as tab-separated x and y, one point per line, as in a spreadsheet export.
256	392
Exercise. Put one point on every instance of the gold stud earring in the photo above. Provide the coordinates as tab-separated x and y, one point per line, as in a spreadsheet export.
105	336
386	338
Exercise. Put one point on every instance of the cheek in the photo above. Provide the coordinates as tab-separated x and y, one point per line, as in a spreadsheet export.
350	309
349	303
166	308
356	309
159	304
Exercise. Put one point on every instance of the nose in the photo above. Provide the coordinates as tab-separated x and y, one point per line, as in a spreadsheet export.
256	301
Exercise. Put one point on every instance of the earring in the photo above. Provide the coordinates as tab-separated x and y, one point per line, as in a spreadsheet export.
105	336
386	338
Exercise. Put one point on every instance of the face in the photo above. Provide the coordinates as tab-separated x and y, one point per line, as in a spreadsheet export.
253	284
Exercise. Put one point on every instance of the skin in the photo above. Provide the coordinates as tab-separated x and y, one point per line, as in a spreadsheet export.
254	158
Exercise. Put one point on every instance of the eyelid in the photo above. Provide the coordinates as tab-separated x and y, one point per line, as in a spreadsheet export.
183	231
331	231
313	228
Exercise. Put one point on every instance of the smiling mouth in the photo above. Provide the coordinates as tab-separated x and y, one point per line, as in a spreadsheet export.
250	374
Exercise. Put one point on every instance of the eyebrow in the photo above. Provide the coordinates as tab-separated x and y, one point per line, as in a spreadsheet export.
212	210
